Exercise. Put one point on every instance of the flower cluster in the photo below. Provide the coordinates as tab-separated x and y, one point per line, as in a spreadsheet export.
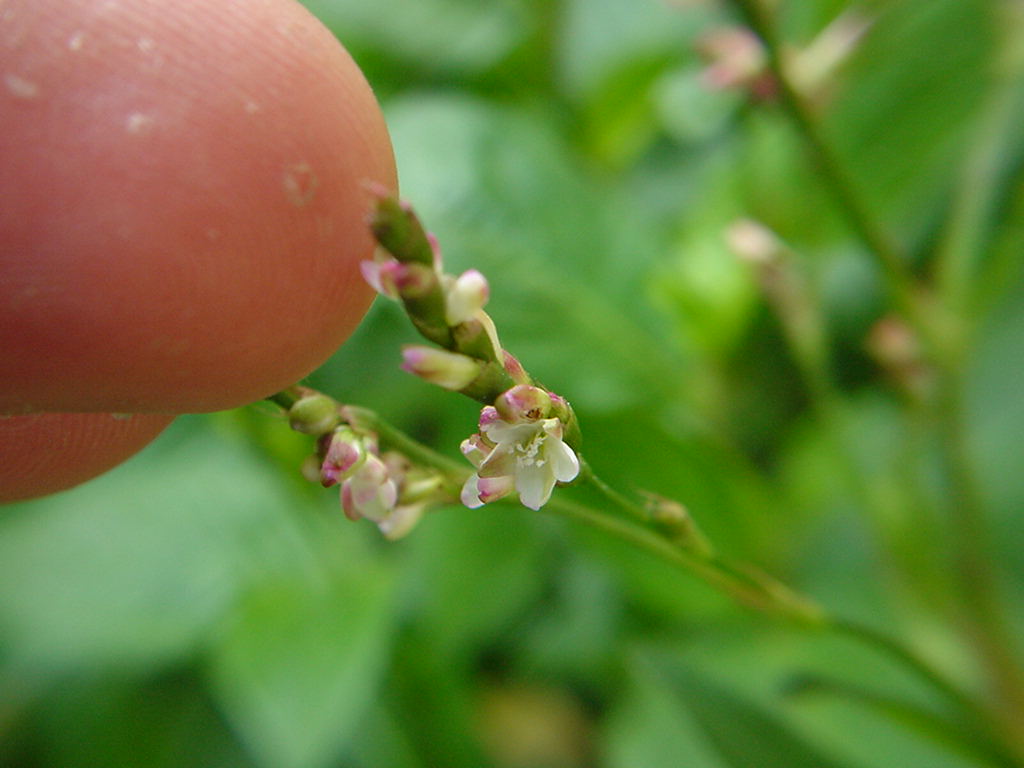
525	432
385	488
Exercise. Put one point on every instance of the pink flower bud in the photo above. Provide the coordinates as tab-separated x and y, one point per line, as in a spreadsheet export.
488	416
382	275
345	451
515	369
523	403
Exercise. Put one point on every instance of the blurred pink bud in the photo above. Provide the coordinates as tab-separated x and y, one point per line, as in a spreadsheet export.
753	242
382	275
735	59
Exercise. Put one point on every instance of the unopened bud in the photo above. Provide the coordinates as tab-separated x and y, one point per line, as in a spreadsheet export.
466	295
735	58
414	281
449	370
398	230
675	521
753	242
345	452
314	415
898	350
370	492
523	403
401	520
515	369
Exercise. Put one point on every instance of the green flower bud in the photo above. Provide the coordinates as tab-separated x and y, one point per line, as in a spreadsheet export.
314	415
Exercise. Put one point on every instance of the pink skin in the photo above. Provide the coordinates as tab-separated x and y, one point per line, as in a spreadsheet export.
184	187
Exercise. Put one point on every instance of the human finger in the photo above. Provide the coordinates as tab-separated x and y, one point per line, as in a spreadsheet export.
49	452
184	187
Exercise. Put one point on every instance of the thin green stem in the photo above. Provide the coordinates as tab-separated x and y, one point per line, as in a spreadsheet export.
619	500
762	593
747	586
985	627
286	398
907	658
832	171
948	730
840	183
364	418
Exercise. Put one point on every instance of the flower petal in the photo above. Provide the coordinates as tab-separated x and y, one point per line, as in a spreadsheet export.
503	433
476	448
564	463
534	484
402	520
494	488
500	461
470	495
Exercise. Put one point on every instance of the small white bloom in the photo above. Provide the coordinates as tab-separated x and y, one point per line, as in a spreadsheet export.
465	295
529	456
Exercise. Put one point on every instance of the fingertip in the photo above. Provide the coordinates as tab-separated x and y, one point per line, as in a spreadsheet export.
49	452
185	202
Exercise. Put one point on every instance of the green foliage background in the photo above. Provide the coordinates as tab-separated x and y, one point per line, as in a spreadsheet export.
202	606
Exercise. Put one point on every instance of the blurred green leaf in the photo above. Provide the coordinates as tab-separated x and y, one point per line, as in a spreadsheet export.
166	722
909	93
649	726
743	733
445	35
297	665
473	572
132	569
996	380
600	36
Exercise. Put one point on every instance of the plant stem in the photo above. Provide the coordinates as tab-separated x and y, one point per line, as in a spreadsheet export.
836	178
762	593
749	587
746	585
364	418
286	398
882	642
950	731
632	509
985	624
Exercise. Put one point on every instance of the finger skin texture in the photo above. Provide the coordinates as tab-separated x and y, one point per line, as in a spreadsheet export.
184	201
49	452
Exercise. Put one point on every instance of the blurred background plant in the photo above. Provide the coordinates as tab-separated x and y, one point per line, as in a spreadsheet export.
793	303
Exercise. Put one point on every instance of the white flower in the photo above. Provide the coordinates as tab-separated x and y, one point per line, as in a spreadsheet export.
464	296
527	456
